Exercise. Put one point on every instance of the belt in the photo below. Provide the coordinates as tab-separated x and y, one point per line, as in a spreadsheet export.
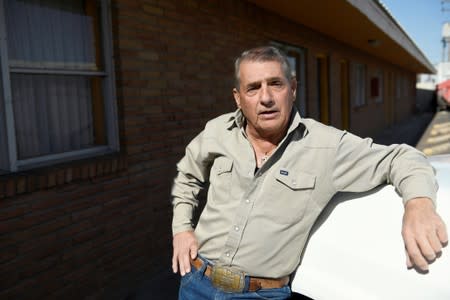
231	280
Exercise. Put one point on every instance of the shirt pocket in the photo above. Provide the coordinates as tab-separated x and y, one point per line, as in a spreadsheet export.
220	177
289	196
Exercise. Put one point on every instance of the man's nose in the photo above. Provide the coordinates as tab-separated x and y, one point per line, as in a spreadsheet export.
266	96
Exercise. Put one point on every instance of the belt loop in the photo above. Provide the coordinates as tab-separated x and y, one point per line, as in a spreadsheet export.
203	267
247	284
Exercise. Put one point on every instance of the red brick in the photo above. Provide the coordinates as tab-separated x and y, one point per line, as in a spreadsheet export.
42	182
51	179
2	189
31	184
10	188
84	173
99	169
7	253
11	225
12	211
19	291
49	227
92	170
87	235
68	175
21	185
86	213
50	201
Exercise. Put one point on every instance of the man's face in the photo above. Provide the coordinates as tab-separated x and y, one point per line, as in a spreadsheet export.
265	97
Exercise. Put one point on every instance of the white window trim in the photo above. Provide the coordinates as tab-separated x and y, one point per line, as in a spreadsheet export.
109	95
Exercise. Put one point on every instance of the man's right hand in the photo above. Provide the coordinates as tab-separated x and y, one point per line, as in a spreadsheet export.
185	248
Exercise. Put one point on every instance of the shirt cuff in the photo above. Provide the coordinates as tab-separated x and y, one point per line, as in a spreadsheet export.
419	187
182	218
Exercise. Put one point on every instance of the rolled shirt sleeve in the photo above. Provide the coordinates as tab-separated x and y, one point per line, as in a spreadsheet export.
361	164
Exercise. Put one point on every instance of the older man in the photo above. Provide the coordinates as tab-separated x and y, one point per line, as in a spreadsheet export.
270	174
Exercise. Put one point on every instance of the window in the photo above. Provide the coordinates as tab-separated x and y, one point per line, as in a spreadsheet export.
359	74
401	86
322	89
376	87
296	57
57	88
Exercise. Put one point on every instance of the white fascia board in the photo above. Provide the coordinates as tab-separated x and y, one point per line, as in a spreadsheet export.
380	16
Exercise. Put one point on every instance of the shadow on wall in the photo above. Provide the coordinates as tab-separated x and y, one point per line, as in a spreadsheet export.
425	100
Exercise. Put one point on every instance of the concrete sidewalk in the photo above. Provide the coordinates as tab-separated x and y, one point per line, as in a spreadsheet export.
436	139
409	131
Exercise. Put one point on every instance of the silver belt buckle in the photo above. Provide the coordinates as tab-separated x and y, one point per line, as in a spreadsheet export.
228	279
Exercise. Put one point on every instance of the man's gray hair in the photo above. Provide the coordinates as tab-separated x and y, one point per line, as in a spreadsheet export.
262	54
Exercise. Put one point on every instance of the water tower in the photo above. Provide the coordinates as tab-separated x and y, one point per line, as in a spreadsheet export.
446	42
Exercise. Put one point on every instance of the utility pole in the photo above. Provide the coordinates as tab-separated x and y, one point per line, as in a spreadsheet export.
445	7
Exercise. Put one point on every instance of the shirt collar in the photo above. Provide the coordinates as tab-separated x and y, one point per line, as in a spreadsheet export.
238	120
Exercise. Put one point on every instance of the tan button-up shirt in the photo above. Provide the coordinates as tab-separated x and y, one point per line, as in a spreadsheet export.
259	221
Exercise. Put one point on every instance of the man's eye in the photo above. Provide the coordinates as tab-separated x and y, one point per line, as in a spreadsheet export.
277	83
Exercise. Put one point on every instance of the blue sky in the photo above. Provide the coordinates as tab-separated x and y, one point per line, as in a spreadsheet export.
422	20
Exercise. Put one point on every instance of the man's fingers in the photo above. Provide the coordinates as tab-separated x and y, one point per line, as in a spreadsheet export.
415	255
174	263
442	233
427	250
423	231
409	264
435	243
184	247
186	264
193	250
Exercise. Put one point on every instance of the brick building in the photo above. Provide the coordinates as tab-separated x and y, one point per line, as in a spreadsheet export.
99	98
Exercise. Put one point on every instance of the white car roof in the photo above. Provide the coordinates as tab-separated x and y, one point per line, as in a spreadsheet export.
357	251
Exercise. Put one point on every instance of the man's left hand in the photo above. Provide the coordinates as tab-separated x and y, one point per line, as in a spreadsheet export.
423	232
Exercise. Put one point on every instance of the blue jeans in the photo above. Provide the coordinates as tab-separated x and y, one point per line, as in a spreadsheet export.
197	286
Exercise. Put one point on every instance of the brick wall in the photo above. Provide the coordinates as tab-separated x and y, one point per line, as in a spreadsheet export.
95	228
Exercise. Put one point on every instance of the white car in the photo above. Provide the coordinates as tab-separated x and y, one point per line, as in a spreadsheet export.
356	250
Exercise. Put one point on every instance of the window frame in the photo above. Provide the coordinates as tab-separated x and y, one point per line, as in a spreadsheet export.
359	97
379	79
300	73
12	163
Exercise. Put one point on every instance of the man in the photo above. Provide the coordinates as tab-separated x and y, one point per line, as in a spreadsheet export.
270	174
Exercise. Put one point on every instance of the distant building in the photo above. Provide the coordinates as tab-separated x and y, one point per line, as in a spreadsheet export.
98	100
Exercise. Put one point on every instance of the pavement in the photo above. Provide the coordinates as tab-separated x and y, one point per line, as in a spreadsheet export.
163	285
436	139
408	131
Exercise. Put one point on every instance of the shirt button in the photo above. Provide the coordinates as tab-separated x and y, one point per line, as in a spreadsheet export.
227	254
247	201
294	182
236	228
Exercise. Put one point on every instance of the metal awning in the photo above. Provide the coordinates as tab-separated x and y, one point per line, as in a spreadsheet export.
363	24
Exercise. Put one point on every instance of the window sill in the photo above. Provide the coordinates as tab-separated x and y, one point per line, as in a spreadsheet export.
12	184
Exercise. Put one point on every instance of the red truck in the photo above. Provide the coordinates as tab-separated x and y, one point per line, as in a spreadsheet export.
443	95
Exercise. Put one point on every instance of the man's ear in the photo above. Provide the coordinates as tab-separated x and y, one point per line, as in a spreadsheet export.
237	97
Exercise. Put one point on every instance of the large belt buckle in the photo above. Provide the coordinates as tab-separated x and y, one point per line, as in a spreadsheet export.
228	279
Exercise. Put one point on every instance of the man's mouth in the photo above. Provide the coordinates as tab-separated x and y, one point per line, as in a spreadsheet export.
268	114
